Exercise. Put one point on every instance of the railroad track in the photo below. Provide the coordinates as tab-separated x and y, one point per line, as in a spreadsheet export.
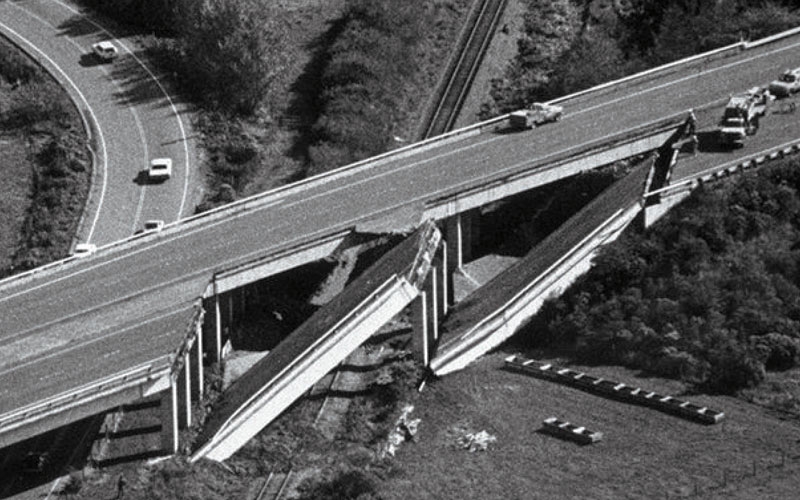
461	70
276	483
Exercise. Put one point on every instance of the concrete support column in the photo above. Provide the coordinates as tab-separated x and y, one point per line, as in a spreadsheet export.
217	330
197	365
432	291
230	309
426	312
454	235
184	384
446	278
169	419
419	324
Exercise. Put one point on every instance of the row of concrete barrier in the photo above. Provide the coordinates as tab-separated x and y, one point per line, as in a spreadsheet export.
616	390
570	431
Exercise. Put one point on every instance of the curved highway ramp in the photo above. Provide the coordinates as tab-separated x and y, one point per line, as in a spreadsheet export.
318	345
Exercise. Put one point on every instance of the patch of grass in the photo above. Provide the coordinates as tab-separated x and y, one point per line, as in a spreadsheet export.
44	161
644	454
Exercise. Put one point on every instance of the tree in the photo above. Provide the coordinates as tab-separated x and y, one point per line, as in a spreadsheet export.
229	52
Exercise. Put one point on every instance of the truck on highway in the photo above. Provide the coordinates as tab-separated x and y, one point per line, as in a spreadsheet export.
741	116
537	114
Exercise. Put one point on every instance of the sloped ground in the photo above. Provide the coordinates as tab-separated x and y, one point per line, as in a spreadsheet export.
644	454
15	192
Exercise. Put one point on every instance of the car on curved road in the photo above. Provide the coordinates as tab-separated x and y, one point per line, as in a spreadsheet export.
160	169
105	51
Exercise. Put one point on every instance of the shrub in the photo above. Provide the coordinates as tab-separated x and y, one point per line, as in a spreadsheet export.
348	484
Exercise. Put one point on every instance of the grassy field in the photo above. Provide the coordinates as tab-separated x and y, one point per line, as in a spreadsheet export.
644	454
15	191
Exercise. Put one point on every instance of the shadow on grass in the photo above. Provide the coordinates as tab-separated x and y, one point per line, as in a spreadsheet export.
154	403
140	431
338	393
134	457
304	108
544	432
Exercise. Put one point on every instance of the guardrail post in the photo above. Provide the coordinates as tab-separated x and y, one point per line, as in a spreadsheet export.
169	418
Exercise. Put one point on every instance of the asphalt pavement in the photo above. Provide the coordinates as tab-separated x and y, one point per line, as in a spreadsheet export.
59	317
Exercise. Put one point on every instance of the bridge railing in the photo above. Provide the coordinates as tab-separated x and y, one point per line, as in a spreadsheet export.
780	151
260	199
137	374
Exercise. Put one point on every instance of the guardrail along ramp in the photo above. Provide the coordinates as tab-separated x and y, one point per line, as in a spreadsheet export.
493	312
318	345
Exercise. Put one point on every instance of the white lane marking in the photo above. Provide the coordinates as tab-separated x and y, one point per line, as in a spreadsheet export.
125	255
132	109
144	164
163	90
186	234
685	78
269	205
109	333
88	108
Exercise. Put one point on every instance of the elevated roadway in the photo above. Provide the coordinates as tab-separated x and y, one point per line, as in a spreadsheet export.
94	318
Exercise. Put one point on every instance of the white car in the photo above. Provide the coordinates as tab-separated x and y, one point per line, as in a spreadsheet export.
84	249
160	169
105	50
153	225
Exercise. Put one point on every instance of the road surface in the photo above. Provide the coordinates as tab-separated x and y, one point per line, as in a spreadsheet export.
131	117
130	305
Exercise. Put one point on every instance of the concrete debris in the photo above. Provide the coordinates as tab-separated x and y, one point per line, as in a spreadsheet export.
477	441
404	430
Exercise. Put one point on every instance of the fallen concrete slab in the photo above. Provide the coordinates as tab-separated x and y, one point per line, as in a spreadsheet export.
318	345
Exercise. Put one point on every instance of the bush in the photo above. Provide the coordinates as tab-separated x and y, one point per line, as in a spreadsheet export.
694	298
349	484
371	60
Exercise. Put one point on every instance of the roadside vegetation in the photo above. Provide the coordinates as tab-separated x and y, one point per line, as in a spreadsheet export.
45	163
278	104
350	97
709	296
570	45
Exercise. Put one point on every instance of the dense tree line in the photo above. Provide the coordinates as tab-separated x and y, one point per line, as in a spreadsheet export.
154	15
370	64
564	50
711	295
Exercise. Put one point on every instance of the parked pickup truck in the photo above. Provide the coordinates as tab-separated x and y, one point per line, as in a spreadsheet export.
538	114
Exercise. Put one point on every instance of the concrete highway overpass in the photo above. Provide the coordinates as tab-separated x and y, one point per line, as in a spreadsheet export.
78	336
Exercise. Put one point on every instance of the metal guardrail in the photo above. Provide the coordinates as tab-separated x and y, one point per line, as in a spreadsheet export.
141	373
777	152
257	200
600	145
